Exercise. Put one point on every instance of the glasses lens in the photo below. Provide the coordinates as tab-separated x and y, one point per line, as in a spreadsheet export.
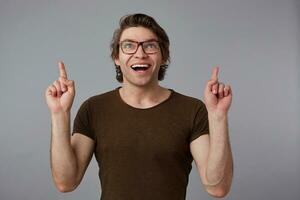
151	46
128	47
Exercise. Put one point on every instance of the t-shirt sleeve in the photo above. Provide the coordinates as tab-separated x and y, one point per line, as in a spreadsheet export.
82	121
200	124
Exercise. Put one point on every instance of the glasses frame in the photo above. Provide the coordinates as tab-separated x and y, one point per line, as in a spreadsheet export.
138	44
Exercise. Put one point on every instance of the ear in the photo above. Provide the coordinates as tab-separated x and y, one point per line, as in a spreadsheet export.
163	63
117	61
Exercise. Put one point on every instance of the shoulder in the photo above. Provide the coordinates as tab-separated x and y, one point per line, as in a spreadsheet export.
99	100
102	97
189	101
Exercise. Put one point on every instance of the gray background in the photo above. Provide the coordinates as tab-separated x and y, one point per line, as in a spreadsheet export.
255	43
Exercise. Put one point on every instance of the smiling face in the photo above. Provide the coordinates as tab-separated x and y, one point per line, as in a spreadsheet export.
126	62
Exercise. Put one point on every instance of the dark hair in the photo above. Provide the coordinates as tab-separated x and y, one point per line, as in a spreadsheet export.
141	20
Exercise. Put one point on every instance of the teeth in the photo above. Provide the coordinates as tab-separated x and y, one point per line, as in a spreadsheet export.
140	65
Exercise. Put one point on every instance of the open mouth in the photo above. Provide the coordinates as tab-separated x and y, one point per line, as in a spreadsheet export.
140	67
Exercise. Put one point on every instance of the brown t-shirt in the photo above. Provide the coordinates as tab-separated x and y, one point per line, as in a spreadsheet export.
142	153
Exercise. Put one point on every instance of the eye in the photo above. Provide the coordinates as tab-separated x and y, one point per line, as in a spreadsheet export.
128	45
150	45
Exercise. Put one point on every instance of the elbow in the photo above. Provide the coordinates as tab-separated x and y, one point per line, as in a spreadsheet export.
64	188
65	183
218	192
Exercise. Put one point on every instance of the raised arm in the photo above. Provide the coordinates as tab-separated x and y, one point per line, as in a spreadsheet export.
212	153
69	156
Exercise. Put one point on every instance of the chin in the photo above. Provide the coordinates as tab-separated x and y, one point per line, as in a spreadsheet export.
141	83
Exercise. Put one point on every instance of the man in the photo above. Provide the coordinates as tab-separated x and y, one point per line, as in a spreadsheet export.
144	136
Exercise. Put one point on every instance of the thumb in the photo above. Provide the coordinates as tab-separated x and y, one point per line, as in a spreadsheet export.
210	84
70	83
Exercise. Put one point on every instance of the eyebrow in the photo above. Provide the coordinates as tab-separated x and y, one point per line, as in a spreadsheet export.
129	40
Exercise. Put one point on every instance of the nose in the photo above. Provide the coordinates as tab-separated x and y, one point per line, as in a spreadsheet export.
140	52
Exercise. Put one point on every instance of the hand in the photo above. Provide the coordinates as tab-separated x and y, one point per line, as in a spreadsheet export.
60	94
217	96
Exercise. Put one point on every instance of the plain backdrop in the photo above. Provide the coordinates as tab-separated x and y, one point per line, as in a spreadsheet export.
255	43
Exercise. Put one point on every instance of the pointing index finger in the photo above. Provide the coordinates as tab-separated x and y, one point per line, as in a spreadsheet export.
215	72
62	70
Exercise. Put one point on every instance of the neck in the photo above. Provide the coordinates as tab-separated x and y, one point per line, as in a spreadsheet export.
140	93
144	96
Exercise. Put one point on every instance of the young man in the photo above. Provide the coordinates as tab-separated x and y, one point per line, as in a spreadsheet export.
144	136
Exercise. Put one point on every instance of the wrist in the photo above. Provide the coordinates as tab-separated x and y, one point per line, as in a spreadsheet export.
219	116
60	113
60	116
60	121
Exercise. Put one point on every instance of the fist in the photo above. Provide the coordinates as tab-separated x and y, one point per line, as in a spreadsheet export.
60	94
217	95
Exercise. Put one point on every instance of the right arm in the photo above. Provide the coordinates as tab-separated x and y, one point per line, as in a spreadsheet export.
69	155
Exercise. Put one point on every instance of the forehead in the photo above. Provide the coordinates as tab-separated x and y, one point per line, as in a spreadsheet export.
137	34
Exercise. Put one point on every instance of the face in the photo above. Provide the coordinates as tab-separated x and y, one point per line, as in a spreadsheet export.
127	62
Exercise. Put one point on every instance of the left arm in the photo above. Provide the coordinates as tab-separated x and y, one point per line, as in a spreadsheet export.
213	157
212	152
219	166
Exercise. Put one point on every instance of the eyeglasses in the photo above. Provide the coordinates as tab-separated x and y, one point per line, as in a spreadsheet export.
130	47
